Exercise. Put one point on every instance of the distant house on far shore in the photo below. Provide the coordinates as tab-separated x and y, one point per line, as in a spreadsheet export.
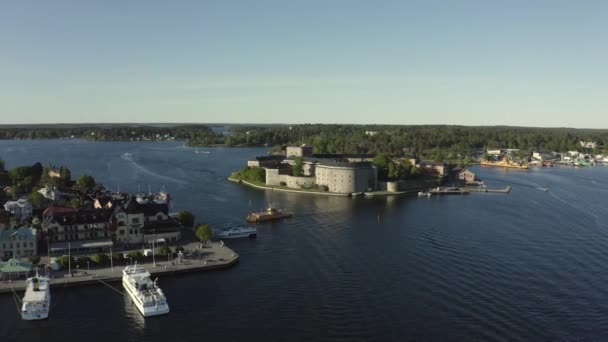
437	167
588	144
466	175
494	151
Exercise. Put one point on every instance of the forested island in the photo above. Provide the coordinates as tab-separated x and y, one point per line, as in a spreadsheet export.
427	140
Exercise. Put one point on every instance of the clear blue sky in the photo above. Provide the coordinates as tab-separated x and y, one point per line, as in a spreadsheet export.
528	62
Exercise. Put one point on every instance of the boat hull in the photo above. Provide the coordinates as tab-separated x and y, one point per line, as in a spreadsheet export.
267	218
249	235
35	316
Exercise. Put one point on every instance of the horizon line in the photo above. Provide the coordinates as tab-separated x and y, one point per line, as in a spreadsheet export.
283	124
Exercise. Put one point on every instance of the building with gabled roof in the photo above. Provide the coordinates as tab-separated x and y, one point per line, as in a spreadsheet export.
20	242
141	222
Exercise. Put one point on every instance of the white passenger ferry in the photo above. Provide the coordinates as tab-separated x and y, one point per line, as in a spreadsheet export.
37	299
237	232
147	296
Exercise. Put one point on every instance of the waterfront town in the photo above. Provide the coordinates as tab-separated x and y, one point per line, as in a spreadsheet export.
68	227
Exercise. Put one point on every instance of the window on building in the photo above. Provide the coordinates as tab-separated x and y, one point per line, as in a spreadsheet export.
135	220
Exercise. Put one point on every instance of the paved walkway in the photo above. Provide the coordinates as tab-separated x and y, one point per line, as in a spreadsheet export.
214	255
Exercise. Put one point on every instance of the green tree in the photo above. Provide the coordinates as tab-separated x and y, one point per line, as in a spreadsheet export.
65	176
203	232
82	262
298	167
185	218
438	156
86	183
164	251
393	171
38	200
414	171
382	162
65	261
100	259
135	255
19	173
117	257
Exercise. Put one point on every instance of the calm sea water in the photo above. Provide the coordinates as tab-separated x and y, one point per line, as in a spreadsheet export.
527	265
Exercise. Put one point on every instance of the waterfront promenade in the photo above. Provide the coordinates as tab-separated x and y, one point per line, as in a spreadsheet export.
214	256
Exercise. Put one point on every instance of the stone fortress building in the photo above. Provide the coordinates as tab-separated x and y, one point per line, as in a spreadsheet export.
333	173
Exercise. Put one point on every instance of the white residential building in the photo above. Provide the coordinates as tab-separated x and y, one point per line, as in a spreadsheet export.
22	209
588	144
50	193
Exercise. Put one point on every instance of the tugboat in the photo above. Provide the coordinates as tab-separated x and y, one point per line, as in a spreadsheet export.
271	213
37	299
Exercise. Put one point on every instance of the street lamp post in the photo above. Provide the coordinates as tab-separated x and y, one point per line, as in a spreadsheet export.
88	268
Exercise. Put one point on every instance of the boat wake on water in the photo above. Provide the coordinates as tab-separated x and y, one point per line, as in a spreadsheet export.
129	157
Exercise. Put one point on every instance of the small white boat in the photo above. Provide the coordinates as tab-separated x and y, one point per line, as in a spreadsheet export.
543	189
424	193
145	293
237	232
37	299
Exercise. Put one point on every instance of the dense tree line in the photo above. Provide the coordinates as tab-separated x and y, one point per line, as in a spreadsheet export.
435	142
197	134
431	141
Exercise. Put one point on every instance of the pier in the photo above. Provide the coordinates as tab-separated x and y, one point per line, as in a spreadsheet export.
506	190
215	256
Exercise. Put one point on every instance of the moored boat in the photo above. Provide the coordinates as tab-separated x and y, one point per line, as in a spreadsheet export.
237	232
271	213
505	163
145	293
37	298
